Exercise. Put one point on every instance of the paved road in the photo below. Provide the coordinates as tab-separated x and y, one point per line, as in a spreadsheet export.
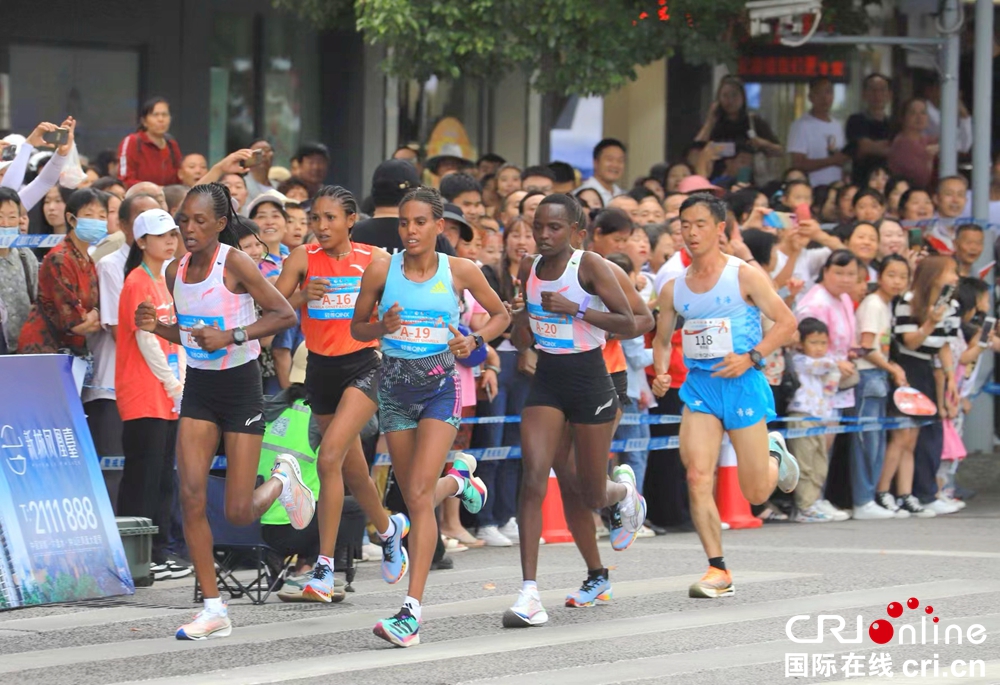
651	633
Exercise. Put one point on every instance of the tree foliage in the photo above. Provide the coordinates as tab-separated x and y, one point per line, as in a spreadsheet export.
574	47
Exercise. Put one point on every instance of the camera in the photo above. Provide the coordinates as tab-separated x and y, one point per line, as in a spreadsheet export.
787	14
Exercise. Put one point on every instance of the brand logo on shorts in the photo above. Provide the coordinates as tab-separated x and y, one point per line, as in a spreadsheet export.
254	419
604	406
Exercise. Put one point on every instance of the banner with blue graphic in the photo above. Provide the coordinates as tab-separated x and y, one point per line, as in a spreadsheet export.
58	537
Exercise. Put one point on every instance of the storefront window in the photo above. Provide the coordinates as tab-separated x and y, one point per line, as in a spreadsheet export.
291	85
438	112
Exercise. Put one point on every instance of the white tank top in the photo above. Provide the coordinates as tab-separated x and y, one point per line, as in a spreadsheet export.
559	333
211	303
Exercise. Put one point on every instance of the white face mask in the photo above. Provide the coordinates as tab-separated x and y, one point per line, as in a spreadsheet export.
8	234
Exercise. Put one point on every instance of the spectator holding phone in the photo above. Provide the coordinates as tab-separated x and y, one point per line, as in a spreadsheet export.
729	120
150	154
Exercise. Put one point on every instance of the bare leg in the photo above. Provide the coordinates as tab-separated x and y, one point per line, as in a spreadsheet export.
898	439
701	439
579	519
541	432
417	458
196	445
244	504
904	472
757	471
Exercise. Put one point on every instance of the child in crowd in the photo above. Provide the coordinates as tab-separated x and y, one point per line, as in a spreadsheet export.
818	377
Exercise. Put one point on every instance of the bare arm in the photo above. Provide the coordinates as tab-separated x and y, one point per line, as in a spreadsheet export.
640	311
293	273
873	148
277	313
227	165
469	277
757	289
372	285
520	335
666	323
596	273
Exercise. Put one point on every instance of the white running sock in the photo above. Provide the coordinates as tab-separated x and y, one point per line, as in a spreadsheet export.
460	481
214	605
282	478
324	560
529	586
389	531
413	605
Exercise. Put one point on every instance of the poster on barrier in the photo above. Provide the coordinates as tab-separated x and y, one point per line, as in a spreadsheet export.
58	538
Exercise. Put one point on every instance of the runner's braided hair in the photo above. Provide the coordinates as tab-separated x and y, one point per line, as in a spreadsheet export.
574	210
222	206
429	196
342	195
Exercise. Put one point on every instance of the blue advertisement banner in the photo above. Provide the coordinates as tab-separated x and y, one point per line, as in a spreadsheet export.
58	538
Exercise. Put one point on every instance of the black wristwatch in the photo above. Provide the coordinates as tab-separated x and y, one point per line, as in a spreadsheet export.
479	340
756	359
239	335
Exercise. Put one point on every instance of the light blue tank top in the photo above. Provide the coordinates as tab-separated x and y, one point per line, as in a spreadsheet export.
716	322
427	310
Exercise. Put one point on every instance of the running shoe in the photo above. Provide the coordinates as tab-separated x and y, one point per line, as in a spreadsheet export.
320	586
626	517
473	494
159	571
527	611
401	629
394	557
205	625
178	570
871	511
296	497
912	504
492	536
593	589
826	506
941	506
812	514
715	583
788	468
510	531
464	465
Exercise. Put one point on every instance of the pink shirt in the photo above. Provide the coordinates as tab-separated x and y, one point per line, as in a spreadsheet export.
838	315
908	157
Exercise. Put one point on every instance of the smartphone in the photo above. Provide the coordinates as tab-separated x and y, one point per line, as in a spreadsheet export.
9	153
727	149
916	237
803	213
946	294
988	326
257	158
779	220
57	138
862	351
744	175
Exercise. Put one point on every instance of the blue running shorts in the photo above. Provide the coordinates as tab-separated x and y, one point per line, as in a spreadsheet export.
411	390
736	402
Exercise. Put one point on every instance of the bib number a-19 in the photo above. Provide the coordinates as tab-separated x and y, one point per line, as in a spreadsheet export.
707	338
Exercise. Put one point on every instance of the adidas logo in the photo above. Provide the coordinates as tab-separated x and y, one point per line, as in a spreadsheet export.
439	287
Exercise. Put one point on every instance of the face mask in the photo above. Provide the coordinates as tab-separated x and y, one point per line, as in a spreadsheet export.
91	231
9	231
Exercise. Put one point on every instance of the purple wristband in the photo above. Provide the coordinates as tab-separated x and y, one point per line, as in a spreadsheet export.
583	307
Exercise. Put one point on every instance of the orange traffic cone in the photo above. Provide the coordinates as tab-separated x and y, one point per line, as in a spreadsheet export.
733	506
554	528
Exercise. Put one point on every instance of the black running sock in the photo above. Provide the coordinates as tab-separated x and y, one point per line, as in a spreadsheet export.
597	573
718	562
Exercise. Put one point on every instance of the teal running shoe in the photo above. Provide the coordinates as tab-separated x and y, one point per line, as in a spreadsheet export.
593	589
401	630
788	467
394	557
472	492
320	586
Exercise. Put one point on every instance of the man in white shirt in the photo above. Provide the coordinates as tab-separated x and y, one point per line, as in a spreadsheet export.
816	140
609	165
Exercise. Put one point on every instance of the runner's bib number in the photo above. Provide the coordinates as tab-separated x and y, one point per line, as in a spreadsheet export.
188	324
423	332
552	331
707	338
338	302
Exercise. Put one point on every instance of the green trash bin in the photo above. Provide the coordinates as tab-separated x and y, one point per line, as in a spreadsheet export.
137	539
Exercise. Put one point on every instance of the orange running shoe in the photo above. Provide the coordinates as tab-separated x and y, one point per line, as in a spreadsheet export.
715	583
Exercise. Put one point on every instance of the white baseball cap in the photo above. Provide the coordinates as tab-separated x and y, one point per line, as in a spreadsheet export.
152	222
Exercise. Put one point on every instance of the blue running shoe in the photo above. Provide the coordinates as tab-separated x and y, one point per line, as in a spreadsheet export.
320	586
593	589
394	556
401	630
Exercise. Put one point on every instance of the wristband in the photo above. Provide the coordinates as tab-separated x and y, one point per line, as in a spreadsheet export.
583	307
492	367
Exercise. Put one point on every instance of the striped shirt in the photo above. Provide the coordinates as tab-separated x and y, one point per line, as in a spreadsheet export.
905	322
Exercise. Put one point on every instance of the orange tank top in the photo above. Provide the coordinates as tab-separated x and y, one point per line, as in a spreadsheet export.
614	358
326	323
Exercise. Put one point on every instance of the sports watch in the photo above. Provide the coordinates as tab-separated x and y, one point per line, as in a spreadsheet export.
239	335
478	340
756	359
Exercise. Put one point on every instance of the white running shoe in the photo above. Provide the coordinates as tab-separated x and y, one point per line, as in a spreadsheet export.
510	531
296	497
205	625
941	507
527	611
833	512
872	512
633	507
788	467
492	536
812	514
954	502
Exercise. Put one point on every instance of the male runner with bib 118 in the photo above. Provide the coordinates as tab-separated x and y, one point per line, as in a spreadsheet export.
721	299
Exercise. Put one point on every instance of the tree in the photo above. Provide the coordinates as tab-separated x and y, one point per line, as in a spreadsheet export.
574	47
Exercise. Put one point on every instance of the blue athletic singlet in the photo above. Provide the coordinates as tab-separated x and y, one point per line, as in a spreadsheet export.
716	322
427	310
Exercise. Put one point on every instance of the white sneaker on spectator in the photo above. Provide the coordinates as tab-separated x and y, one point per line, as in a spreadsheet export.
954	502
492	536
831	511
510	531
812	514
725	526
872	511
940	506
645	532
912	505
371	552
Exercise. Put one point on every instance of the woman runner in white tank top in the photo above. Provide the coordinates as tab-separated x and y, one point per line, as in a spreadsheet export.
571	387
214	288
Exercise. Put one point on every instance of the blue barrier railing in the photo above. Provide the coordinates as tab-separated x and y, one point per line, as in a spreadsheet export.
32	240
618	446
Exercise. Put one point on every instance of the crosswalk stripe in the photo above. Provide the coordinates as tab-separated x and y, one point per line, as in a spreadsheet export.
806	549
334	621
83	619
552	636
